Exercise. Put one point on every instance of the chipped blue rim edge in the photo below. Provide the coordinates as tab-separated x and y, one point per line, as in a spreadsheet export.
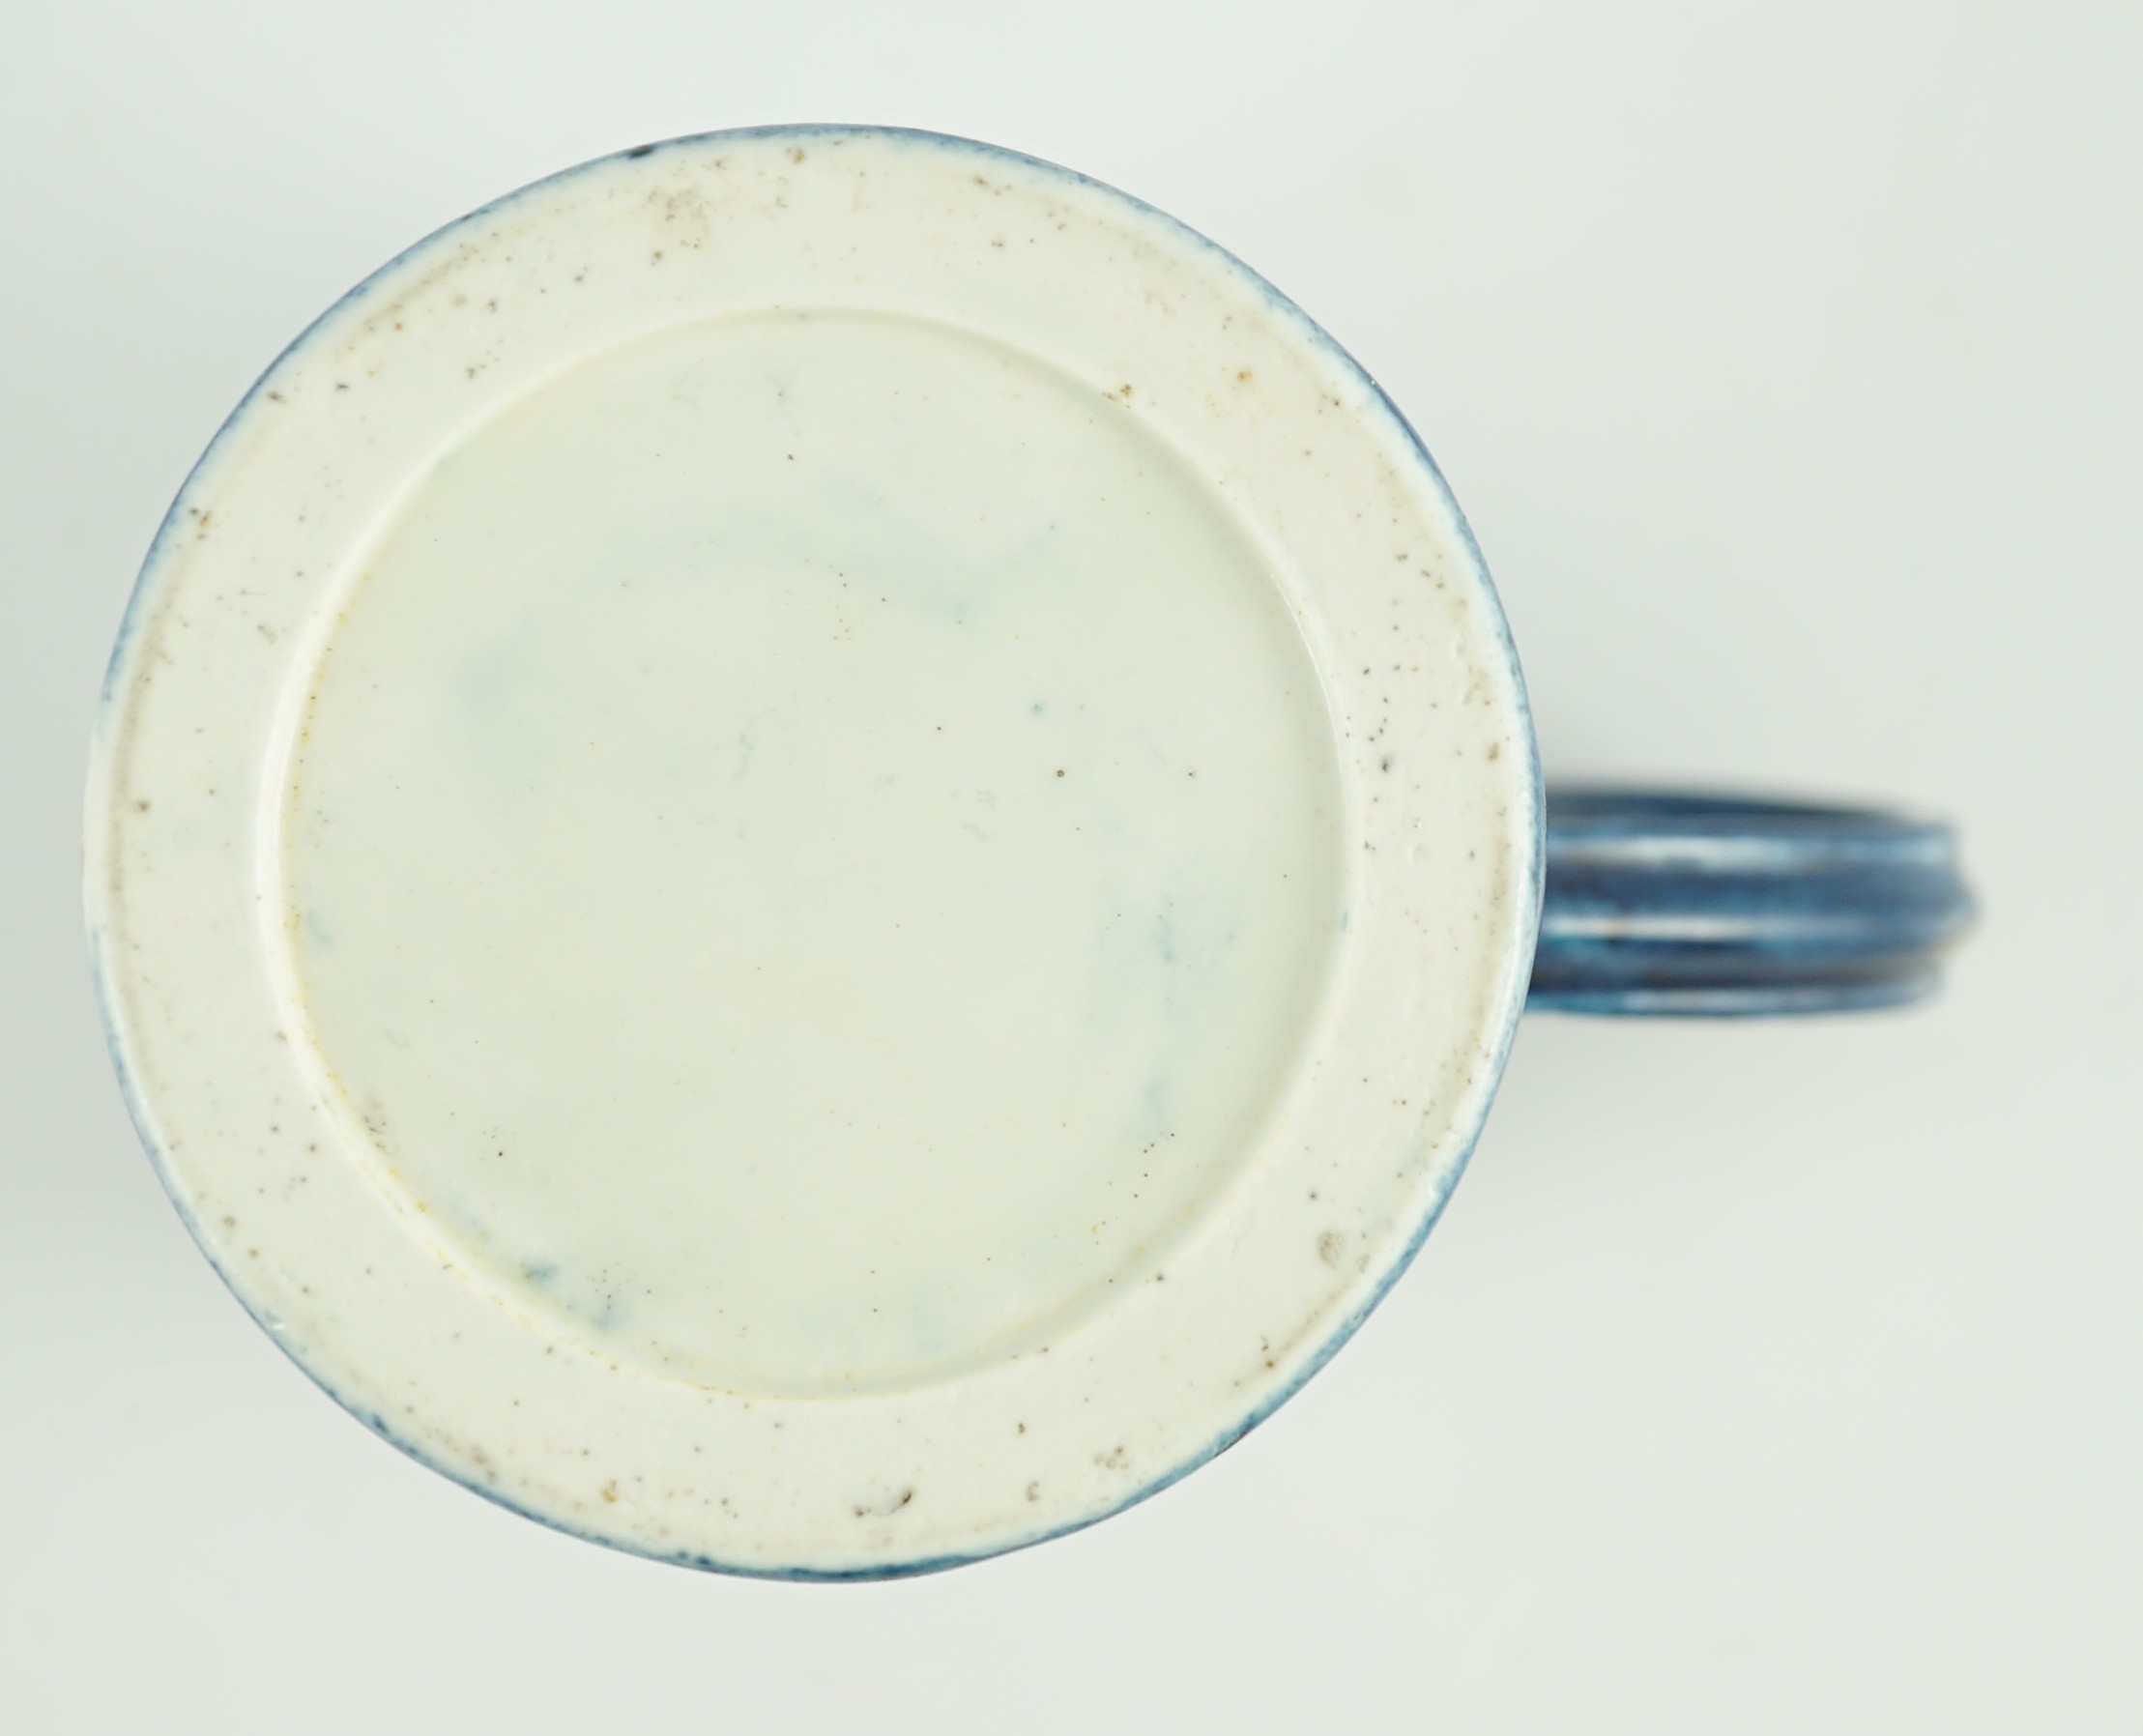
1514	988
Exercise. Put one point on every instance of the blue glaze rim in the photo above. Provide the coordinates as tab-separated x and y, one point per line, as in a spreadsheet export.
1496	1061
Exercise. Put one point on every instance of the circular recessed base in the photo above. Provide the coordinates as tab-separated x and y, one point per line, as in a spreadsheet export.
765	875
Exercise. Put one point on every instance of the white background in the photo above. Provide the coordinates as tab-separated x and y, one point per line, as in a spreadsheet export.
1786	360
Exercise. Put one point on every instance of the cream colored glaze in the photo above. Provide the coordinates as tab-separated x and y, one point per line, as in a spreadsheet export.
815	849
1321	1125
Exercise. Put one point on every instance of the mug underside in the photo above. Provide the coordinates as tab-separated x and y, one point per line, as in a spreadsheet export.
812	851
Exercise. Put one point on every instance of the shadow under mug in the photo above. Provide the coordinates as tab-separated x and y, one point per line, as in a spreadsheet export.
558	1381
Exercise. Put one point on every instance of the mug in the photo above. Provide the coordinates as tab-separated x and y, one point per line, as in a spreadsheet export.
813	849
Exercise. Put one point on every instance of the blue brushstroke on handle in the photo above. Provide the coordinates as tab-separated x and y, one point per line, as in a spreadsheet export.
1726	907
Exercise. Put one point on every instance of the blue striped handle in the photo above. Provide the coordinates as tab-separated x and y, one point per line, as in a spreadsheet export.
1719	906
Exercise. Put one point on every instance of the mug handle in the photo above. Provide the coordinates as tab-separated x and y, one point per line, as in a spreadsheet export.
1660	902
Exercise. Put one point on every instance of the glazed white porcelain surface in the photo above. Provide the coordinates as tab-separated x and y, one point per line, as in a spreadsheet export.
812	851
